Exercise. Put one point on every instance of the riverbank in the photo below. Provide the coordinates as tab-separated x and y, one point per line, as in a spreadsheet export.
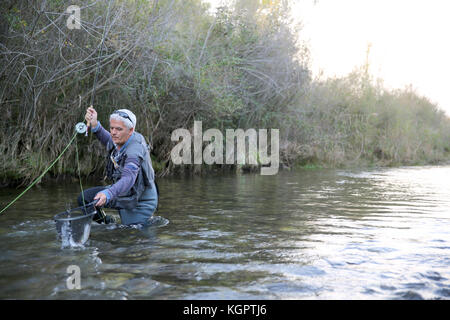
208	171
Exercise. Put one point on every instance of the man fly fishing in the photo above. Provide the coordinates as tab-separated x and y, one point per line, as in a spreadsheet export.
129	167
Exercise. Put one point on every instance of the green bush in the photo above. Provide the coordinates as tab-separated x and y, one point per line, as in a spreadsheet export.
173	62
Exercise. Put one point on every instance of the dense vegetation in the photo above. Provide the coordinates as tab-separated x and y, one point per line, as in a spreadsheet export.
173	62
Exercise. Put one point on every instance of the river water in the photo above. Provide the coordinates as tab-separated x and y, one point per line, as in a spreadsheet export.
306	234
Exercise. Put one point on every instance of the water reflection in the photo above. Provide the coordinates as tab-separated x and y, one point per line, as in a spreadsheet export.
315	234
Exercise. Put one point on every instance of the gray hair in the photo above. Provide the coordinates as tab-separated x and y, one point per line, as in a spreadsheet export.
129	120
126	122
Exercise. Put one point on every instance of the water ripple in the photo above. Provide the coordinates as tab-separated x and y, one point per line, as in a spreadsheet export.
308	234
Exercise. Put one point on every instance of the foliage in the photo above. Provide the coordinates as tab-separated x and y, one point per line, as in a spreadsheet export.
173	62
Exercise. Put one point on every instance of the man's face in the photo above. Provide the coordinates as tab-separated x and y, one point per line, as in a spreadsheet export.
119	132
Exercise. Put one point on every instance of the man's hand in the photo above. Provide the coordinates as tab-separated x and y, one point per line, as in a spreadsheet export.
91	117
101	199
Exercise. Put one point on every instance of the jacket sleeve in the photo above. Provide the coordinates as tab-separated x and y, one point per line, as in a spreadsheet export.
101	134
126	181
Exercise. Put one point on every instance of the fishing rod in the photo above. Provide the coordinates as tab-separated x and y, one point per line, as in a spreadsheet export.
98	67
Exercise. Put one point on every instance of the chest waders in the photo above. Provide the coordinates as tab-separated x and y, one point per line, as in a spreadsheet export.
137	148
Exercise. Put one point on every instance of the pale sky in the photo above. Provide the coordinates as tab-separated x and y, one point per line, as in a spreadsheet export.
410	42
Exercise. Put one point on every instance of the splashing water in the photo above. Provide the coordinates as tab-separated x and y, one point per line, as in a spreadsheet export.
67	237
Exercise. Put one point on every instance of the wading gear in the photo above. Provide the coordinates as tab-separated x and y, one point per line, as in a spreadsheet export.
136	148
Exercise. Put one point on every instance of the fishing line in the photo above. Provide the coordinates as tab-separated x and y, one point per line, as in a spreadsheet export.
38	178
79	173
79	128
